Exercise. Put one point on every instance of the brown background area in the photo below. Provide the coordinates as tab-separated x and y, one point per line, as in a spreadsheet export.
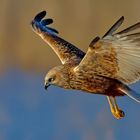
77	21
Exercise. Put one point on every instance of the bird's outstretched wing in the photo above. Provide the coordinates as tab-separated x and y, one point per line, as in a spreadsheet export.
115	55
67	52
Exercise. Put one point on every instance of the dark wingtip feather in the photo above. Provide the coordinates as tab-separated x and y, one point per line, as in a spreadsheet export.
46	21
53	30
129	29
41	25
40	16
114	27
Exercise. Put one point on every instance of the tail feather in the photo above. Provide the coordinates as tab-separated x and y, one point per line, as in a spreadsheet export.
131	93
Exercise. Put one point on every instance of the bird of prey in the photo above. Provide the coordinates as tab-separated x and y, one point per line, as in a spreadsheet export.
110	64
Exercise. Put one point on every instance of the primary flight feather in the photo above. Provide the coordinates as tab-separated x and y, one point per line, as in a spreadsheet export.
109	65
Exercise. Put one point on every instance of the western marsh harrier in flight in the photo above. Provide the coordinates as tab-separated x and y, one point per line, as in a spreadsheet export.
110	64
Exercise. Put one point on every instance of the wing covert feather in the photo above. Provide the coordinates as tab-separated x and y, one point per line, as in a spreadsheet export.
100	59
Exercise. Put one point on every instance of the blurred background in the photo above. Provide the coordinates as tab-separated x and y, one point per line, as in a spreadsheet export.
27	111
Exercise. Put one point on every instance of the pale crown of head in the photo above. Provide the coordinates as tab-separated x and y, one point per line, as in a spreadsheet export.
57	76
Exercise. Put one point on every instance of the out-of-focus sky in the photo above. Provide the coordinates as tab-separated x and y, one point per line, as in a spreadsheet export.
27	111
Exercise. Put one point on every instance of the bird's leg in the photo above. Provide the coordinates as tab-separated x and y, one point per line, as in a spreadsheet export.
112	109
117	113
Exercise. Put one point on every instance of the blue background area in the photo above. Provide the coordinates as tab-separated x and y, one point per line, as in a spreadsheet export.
28	112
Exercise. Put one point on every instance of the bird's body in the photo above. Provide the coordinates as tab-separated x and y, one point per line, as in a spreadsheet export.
95	84
110	64
85	82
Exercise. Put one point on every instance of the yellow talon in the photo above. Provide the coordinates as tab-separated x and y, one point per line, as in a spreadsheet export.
117	113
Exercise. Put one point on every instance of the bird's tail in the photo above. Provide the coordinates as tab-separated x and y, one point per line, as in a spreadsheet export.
130	92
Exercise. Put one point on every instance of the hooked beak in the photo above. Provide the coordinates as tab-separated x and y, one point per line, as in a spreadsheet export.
46	86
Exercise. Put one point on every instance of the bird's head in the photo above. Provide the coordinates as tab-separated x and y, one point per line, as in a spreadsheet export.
57	76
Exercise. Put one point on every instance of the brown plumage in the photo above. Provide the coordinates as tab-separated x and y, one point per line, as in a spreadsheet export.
109	65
